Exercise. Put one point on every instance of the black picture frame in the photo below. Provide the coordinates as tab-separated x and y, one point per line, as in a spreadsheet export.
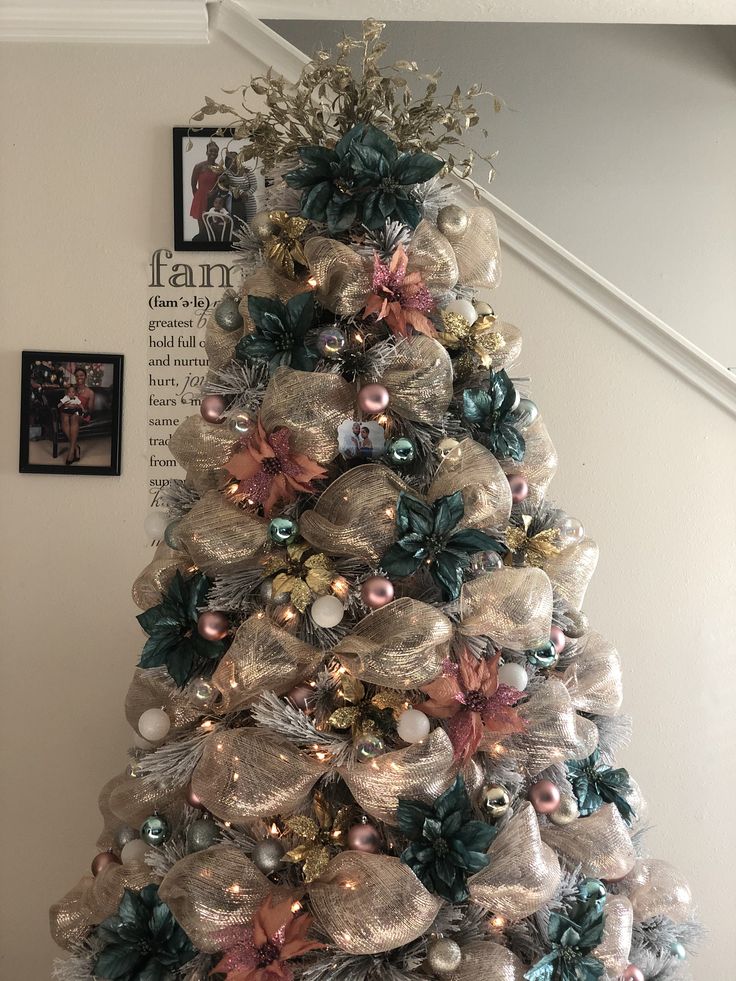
225	139
44	379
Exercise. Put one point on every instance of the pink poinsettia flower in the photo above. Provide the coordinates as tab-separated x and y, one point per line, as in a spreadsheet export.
469	695
400	298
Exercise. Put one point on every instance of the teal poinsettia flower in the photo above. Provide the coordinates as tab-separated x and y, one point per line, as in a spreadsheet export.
595	784
173	639
447	845
142	941
364	177
573	935
427	535
281	331
491	411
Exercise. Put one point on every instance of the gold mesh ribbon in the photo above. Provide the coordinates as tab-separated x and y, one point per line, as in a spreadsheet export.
151	584
111	822
615	947
511	606
244	774
593	678
343	277
262	657
202	449
553	733
539	464
220	537
402	645
478	252
356	515
486	961
510	351
419	379
475	471
523	873
155	688
571	570
371	903
219	344
422	771
431	255
70	917
136	798
656	888
600	843
212	891
311	405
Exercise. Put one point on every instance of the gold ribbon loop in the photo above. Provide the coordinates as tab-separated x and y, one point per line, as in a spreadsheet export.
511	606
478	252
220	537
136	798
155	688
402	645
486	961
262	657
219	344
368	904
509	351
343	277
600	843
475	471
615	947
657	888
571	570
431	255
69	918
202	449
213	891
151	584
422	771
111	822
593	679
539	464
523	873
419	379
245	775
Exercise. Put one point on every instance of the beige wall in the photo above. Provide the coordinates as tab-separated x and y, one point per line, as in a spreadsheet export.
646	462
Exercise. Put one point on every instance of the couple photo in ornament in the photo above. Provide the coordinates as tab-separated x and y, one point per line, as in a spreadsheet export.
216	193
360	440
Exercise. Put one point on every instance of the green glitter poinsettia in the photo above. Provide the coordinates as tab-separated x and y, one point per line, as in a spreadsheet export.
573	936
280	334
491	410
142	941
595	784
173	639
427	535
447	845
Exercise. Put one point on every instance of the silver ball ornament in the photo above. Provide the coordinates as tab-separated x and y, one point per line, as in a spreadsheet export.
526	412
123	835
202	692
261	225
444	956
155	830
452	221
401	451
368	746
268	855
201	834
241	423
331	342
571	530
228	315
678	951
495	800
566	811
268	595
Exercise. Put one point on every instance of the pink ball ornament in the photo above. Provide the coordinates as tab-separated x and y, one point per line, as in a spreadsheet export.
545	797
377	592
101	861
212	625
373	399
364	838
193	799
299	696
212	408
633	973
558	638
519	487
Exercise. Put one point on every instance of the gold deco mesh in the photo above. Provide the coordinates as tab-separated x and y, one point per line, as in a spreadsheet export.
523	873
402	645
656	888
70	917
510	351
371	903
136	798
419	380
486	961
571	570
475	471
202	448
111	822
151	584
155	688
343	277
219	344
593	678
262	657
220	537
600	843
477	251
422	771
539	464
511	606
431	255
615	947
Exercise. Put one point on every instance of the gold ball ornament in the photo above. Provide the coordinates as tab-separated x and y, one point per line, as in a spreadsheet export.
483	309
443	956
452	221
449	447
495	800
262	226
566	811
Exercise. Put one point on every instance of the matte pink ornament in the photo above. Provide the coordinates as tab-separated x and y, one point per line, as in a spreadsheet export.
545	797
633	973
212	625
212	408
558	638
101	861
192	799
364	838
519	487
377	592
299	696
373	399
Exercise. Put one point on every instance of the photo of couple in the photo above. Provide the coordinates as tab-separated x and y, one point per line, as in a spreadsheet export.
361	439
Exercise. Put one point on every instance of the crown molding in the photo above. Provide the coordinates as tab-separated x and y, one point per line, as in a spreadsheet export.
113	21
234	19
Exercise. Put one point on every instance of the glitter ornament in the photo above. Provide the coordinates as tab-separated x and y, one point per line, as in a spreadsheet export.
495	800
268	855
212	409
444	956
212	625
364	837
155	524
545	796
368	746
282	531
557	637
155	830
577	624
463	308
377	592
519	488
327	611
331	342
154	725
448	447
228	315
101	861
412	726
201	834
401	451
566	812
134	852
123	835
373	399
514	675
452	221
242	423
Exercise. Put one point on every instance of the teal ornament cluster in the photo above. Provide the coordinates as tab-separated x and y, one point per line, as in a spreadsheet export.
595	784
491	411
280	335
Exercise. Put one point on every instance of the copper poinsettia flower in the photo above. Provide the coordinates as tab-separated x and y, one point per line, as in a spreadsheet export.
469	695
260	952
269	472
400	298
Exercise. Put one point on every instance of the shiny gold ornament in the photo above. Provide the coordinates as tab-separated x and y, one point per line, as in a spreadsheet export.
476	342
283	248
495	801
320	837
567	811
534	549
452	221
301	573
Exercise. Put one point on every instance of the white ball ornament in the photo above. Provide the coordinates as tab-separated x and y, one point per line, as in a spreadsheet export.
327	611
140	743
513	675
155	524
154	725
413	726
134	851
463	307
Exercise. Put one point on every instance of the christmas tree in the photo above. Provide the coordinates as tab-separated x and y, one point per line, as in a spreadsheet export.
376	734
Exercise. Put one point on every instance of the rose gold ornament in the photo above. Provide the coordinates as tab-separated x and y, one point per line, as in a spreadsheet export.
373	399
558	638
545	797
364	838
212	408
212	625
299	696
519	487
377	592
192	799
101	861
633	973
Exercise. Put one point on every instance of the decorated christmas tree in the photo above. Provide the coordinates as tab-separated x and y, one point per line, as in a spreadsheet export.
376	734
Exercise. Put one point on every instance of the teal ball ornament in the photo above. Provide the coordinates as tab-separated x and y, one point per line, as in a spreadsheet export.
201	834
401	451
155	830
171	536
228	315
591	889
678	950
543	657
282	531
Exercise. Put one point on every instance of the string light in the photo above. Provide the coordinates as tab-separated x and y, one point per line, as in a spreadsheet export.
296	906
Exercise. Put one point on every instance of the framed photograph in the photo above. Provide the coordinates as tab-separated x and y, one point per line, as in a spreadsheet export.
71	412
361	440
214	194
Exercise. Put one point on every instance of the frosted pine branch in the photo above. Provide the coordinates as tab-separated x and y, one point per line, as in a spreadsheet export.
272	712
173	763
244	384
178	498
